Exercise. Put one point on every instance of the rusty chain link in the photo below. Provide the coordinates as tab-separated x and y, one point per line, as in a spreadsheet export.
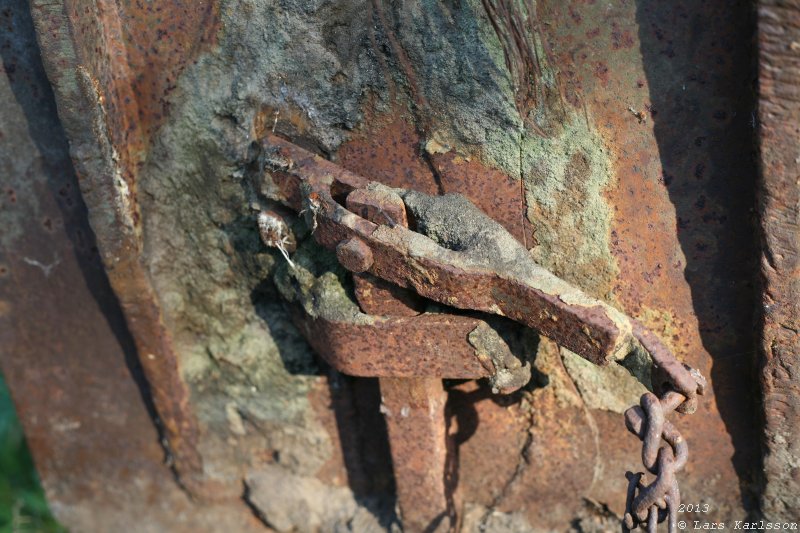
664	453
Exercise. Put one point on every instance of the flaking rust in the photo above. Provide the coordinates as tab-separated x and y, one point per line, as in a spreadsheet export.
411	351
397	338
603	77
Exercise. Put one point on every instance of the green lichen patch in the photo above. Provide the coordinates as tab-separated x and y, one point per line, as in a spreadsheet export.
319	284
565	179
611	387
210	270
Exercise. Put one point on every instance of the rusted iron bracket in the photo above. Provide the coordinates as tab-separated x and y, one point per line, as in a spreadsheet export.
459	257
390	336
477	266
429	344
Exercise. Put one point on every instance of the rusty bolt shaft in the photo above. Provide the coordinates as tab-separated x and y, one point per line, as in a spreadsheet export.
414	407
415	416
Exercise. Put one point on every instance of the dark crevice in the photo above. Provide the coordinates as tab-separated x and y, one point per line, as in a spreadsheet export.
253	507
522	465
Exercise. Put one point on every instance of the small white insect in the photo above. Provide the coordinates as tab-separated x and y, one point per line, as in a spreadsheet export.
275	234
640	116
312	205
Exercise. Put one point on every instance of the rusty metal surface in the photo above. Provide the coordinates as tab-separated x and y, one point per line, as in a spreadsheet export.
668	373
683	182
415	416
646	504
414	408
354	255
134	53
496	194
376	296
467	276
491	282
680	195
390	155
378	206
93	85
538	299
682	199
516	447
383	348
779	115
65	351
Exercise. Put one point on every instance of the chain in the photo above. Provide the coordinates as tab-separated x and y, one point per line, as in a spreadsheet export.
664	453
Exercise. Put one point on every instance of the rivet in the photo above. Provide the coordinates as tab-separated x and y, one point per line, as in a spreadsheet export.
354	255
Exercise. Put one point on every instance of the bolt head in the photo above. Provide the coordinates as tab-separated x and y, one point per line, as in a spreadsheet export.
354	255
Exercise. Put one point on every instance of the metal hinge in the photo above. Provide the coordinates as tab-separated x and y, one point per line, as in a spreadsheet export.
459	257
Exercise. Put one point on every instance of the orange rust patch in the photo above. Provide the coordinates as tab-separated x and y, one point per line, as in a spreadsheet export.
488	435
531	451
390	154
161	39
389	150
680	234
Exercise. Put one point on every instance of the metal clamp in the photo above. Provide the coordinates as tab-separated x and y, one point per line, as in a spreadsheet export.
461	258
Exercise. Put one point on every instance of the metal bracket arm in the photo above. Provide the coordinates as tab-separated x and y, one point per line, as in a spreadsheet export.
479	267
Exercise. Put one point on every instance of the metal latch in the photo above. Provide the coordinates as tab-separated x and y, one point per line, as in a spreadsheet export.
459	257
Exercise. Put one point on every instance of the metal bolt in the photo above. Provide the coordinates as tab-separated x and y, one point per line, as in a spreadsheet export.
354	255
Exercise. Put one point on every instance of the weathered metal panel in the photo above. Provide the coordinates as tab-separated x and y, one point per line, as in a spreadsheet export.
95	90
681	231
779	198
65	350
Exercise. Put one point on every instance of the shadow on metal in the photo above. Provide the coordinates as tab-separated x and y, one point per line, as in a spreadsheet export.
699	60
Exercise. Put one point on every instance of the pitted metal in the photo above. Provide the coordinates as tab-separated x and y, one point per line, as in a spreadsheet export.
477	266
